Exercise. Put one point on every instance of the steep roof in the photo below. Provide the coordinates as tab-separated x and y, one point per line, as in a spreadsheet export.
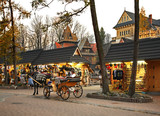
132	16
60	55
81	43
68	36
149	49
29	56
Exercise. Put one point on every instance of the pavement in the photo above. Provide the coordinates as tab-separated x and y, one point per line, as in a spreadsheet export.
18	102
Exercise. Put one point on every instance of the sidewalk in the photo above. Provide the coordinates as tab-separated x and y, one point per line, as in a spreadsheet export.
149	108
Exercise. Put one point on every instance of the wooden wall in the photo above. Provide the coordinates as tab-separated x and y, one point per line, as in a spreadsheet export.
152	80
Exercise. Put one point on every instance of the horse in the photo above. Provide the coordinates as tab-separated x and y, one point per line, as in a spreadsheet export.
38	79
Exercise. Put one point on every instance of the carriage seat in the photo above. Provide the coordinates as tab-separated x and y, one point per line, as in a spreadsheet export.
73	79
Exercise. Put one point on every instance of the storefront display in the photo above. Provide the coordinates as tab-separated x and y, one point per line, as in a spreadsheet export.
121	74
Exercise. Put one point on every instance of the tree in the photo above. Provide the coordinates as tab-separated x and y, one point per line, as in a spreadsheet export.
3	45
80	30
8	7
107	38
102	34
39	32
23	36
105	87
135	55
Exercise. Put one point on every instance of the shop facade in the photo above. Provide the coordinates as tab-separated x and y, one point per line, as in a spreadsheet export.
61	61
119	60
57	62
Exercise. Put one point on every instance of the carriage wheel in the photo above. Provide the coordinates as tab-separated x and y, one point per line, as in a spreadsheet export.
64	92
46	92
78	91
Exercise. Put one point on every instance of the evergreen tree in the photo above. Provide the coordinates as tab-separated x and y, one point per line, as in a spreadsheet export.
102	34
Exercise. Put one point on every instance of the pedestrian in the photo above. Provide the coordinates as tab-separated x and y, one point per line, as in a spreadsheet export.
30	82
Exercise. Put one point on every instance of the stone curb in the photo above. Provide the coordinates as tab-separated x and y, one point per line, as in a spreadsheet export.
115	98
115	107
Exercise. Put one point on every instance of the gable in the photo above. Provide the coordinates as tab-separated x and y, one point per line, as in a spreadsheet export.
68	35
87	43
77	52
124	18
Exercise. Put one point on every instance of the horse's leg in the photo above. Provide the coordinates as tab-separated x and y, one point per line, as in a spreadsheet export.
34	88
37	88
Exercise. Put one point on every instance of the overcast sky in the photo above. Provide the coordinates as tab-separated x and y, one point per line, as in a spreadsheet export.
108	11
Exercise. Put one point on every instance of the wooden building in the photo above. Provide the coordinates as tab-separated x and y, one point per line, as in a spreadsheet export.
68	38
120	57
126	24
87	51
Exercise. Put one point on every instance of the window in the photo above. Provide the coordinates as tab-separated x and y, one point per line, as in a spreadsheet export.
124	18
70	36
124	32
87	50
127	18
128	31
120	33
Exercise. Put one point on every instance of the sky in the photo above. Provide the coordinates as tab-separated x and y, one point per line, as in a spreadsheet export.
108	12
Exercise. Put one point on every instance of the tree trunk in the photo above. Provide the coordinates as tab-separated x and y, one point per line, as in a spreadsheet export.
5	51
5	71
136	46
13	40
105	87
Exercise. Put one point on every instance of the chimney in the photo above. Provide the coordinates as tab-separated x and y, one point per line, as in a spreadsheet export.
150	19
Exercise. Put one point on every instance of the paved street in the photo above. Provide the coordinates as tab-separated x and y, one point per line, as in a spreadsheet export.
21	102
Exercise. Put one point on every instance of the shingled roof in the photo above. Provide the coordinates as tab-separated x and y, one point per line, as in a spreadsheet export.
59	56
132	16
29	56
149	49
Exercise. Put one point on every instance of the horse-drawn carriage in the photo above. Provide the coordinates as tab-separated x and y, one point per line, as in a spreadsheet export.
62	86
